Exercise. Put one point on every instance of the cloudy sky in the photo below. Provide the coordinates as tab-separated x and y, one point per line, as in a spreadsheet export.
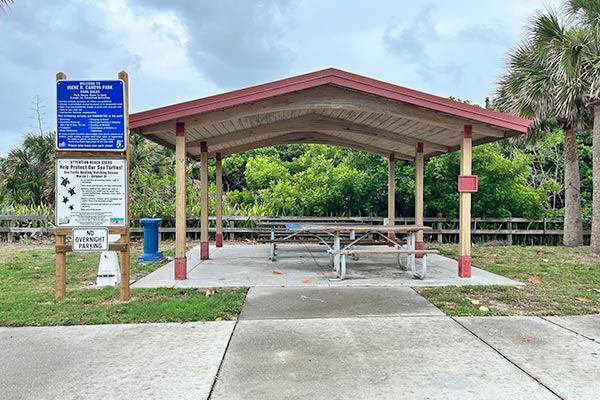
180	50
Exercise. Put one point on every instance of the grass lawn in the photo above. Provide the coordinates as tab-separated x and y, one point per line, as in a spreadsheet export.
27	286
556	281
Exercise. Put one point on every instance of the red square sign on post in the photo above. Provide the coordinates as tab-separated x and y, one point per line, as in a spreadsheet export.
467	183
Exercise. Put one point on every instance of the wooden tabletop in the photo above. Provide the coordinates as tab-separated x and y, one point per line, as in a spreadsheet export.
359	228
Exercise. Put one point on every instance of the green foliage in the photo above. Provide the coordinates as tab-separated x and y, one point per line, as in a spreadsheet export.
24	209
515	177
585	170
151	194
27	173
318	182
502	186
441	187
150	158
263	171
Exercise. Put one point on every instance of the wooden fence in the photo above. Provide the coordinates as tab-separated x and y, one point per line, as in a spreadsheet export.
508	230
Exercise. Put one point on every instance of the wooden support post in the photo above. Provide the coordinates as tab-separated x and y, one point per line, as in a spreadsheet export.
509	236
440	227
391	194
466	159
419	167
11	225
61	258
545	226
125	236
204	201
219	202
125	274
61	269
231	225
180	201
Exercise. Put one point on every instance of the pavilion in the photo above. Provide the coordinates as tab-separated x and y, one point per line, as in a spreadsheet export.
331	107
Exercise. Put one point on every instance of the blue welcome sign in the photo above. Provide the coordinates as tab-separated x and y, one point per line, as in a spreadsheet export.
90	115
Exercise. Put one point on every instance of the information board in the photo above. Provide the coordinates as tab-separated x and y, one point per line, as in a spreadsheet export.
90	115
91	192
88	239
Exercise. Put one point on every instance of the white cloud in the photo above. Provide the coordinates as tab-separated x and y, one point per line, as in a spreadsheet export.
234	43
181	50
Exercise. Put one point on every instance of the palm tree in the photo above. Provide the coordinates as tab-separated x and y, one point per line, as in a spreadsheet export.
149	157
27	173
586	13
545	79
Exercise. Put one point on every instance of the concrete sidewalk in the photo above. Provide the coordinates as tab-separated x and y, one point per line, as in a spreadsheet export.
137	361
311	342
388	343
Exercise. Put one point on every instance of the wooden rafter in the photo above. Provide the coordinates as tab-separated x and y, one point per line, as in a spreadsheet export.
300	137
316	122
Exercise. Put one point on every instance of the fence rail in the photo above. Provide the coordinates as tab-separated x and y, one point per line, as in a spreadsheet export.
509	230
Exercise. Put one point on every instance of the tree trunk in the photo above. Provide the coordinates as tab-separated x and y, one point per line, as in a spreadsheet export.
573	226
595	239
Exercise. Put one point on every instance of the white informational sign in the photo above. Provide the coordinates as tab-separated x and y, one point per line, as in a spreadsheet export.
90	239
91	192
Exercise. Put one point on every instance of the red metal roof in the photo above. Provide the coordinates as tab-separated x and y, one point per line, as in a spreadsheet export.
329	76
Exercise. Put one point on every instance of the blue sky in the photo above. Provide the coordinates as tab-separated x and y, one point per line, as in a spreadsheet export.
181	50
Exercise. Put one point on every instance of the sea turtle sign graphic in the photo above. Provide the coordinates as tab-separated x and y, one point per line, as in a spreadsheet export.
90	192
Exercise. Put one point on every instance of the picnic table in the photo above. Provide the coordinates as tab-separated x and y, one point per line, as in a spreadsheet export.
359	234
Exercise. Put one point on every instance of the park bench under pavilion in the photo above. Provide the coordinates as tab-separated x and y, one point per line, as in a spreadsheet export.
331	107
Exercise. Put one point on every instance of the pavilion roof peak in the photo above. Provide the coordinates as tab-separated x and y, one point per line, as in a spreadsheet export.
328	76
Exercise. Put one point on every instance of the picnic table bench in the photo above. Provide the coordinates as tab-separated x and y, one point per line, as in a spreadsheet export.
398	251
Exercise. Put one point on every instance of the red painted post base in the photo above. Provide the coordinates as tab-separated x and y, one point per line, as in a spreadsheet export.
464	266
219	240
419	246
391	236
204	250
180	268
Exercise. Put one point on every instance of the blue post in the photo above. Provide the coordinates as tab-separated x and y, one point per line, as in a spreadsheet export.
151	252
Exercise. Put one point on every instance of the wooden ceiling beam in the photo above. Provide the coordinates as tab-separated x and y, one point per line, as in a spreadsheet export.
342	125
317	122
309	137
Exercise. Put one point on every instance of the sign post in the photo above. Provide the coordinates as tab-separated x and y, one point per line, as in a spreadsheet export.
92	188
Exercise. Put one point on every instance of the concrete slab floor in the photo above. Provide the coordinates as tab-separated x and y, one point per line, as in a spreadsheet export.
306	265
325	302
138	361
367	358
565	362
585	325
